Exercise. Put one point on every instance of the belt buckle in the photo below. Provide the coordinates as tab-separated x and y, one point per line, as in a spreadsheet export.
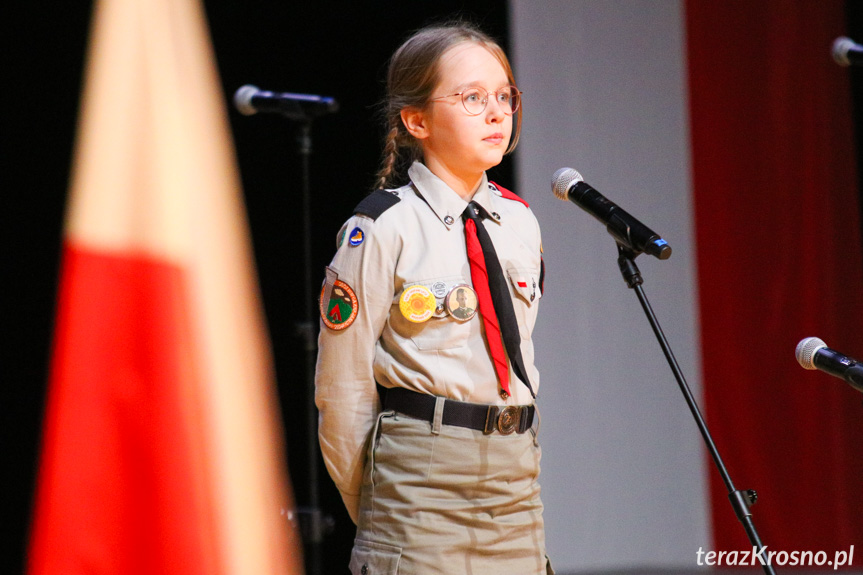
505	420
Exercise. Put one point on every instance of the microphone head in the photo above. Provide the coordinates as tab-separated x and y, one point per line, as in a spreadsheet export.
805	351
562	180
841	46
243	99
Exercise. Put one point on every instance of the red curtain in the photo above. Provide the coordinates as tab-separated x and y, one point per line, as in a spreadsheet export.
779	259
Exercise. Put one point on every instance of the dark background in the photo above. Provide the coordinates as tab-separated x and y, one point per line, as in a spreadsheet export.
333	48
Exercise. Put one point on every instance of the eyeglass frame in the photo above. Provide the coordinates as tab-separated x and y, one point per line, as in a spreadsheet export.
516	93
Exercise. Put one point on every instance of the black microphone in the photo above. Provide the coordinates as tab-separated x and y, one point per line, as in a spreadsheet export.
567	184
250	100
847	52
812	353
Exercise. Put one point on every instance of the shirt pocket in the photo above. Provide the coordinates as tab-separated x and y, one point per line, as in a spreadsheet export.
441	331
525	286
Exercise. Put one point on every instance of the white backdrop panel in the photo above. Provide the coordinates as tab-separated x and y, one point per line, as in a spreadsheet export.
624	467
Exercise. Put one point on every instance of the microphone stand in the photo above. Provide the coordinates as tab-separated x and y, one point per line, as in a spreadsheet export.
313	523
741	501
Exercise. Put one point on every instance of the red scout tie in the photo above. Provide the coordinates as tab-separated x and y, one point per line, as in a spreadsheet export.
494	299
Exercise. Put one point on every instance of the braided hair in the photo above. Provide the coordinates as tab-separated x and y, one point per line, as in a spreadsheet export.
412	76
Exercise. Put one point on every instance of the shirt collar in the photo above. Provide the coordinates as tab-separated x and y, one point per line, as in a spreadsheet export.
444	202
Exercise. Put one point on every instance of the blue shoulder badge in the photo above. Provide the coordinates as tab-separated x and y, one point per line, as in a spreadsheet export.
357	236
376	203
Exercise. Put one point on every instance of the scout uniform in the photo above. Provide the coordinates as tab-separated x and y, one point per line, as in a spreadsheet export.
430	495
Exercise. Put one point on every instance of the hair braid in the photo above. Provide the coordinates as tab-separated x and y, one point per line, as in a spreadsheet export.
390	156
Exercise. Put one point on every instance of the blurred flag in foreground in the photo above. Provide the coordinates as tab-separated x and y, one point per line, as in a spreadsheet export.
162	445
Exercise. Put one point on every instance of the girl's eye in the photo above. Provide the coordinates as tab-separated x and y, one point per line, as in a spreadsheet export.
472	96
503	97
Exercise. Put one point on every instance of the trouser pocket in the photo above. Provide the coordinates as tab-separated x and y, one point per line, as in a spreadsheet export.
370	558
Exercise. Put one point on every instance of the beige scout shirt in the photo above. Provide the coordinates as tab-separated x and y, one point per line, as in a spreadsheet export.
419	240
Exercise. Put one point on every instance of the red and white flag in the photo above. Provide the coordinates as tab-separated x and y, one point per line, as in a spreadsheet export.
162	447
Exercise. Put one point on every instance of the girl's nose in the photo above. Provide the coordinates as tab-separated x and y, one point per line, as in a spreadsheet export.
494	108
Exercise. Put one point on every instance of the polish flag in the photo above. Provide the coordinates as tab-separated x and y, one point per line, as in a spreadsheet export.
162	449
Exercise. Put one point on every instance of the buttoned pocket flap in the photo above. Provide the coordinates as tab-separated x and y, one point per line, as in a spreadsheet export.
525	283
370	558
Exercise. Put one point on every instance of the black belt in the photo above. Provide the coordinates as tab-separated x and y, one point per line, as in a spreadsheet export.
486	418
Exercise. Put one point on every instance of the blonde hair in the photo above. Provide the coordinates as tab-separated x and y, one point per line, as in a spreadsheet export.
412	75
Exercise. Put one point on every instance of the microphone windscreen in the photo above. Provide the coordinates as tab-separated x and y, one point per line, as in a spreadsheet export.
562	180
805	351
243	99
841	46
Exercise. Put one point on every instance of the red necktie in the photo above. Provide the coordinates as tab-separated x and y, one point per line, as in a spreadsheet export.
494	299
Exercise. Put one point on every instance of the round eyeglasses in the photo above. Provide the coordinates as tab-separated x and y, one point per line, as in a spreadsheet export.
476	99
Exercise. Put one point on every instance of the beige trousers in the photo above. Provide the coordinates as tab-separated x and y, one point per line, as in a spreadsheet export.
441	499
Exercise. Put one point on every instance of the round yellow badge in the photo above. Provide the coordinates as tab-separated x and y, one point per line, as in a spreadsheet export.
417	303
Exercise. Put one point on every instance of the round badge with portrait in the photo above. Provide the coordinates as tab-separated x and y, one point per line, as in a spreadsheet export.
461	302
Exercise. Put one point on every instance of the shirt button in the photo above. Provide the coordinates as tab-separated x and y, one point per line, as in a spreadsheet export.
448	220
496	216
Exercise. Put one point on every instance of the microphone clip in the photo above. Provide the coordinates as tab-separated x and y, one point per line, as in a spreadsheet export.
626	263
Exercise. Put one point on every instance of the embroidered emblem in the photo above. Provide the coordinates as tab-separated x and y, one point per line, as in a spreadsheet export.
417	303
338	303
357	236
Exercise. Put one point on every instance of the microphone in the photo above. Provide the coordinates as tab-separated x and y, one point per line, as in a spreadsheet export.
847	52
250	100
812	353
567	184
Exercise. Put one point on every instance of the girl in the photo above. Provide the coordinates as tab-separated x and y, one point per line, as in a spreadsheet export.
425	377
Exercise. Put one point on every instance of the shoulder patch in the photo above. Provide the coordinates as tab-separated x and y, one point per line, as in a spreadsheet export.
357	236
541	276
376	203
340	238
509	195
338	303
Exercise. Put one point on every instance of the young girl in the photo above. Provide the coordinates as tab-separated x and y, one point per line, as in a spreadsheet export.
425	377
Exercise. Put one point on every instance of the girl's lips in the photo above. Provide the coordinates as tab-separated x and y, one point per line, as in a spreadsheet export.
494	138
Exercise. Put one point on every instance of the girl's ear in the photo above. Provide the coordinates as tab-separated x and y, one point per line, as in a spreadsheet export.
415	122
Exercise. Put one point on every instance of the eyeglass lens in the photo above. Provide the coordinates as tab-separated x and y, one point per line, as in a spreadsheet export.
476	99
